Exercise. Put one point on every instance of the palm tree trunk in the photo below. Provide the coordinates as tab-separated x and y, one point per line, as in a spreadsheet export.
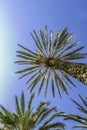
76	70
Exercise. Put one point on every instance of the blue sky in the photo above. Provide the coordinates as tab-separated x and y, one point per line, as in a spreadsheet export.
17	19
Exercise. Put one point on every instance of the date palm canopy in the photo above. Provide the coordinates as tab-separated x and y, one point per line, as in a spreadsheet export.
82	120
52	62
27	118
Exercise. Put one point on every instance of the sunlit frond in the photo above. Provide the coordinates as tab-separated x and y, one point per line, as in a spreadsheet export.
27	118
51	61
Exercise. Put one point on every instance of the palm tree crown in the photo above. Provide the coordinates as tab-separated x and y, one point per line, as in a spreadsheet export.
50	62
82	120
28	118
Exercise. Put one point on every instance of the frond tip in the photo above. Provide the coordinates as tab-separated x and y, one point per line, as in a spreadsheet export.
50	63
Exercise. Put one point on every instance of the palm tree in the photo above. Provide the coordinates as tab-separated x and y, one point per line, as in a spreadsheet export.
51	61
27	118
82	120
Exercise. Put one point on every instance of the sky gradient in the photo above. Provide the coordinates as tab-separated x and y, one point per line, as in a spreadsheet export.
17	19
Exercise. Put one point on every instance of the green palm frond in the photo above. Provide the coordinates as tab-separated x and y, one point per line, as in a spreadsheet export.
30	102
82	120
18	110
27	118
50	61
6	117
22	103
53	126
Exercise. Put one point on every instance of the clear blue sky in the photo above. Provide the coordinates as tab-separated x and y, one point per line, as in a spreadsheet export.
17	19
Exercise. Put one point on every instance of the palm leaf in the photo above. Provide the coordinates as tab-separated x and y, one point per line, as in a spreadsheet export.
27	118
53	55
17	106
82	120
22	103
59	125
30	102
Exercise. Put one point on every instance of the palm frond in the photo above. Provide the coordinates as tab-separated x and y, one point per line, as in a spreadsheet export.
18	111
53	55
30	102
4	110
26	118
54	126
81	119
22	103
47	113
